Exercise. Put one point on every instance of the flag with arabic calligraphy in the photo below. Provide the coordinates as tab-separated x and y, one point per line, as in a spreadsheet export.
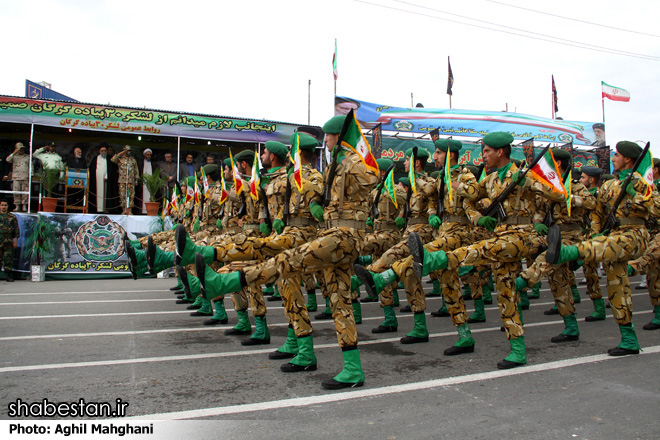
450	189
411	172
390	187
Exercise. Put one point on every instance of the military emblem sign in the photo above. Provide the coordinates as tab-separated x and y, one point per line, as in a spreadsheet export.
100	240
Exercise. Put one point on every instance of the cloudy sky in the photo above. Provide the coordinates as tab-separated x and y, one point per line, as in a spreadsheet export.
253	59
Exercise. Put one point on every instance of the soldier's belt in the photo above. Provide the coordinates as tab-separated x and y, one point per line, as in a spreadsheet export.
301	221
385	226
516	220
233	230
418	221
632	221
455	219
248	226
570	227
355	224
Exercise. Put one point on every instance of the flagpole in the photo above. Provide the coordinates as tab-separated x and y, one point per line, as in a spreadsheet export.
309	100
552	100
603	102
411	100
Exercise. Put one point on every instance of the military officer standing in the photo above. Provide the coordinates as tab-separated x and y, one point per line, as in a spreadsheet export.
128	178
9	234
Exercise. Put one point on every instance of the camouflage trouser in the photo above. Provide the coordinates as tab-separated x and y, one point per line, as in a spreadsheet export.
504	252
8	255
251	295
376	243
559	276
614	251
414	291
333	251
295	306
206	234
123	187
593	281
159	238
649	263
451	236
309	281
477	278
257	248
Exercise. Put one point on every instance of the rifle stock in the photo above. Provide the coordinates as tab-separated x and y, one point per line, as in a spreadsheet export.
379	189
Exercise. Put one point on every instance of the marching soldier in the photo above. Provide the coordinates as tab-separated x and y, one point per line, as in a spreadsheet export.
9	234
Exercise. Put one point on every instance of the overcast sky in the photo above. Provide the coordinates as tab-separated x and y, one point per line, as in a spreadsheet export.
253	59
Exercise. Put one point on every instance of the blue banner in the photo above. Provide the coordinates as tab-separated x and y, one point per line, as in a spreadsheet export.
472	123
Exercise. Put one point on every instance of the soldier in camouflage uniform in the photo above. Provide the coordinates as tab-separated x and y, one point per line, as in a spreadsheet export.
454	231
128	177
512	242
9	234
333	251
20	173
626	241
571	226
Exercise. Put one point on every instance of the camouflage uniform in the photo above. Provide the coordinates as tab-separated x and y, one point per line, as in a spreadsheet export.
591	269
386	234
20	173
421	206
8	232
128	176
335	248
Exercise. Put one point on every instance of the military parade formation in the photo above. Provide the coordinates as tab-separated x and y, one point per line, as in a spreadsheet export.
290	230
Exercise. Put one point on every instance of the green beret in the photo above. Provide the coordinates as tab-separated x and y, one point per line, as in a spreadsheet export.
498	139
560	154
435	174
210	168
245	155
404	180
334	125
591	171
422	153
227	162
308	143
190	180
448	144
383	163
656	162
277	148
629	149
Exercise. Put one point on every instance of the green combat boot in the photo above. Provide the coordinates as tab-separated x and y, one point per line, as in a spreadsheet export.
419	332
524	300
655	322
391	324
365	260
425	262
137	262
220	316
289	349
275	296
576	295
479	314
599	311
261	335
183	280
268	290
536	291
326	313
395	298
552	311
357	311
467	293
157	259
465	343
351	376
355	287
571	331
213	284
205	310
305	360
178	286
629	344
311	301
243	327
436	290
442	312
487	294
186	249
374	283
557	253
517	357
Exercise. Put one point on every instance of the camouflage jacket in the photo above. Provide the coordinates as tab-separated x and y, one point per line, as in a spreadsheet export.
349	195
468	189
128	168
425	202
212	205
387	212
8	228
312	184
275	189
20	166
581	202
231	207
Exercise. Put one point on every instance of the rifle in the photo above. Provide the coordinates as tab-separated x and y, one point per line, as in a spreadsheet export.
269	222
333	164
496	209
379	189
287	194
441	193
611	221
243	209
406	211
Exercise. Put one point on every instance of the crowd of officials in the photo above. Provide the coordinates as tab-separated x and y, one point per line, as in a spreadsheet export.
114	181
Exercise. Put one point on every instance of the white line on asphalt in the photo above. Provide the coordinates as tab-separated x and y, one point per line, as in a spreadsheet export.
232	353
78	293
86	302
382	391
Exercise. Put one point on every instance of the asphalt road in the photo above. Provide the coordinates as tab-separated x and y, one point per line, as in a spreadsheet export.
104	340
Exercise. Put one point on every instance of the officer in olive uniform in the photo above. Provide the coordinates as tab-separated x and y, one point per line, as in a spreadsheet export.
9	234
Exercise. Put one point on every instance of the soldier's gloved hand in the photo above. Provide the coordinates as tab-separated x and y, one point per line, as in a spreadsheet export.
541	229
196	225
400	222
487	222
188	213
605	232
516	176
370	222
265	229
435	221
218	223
630	189
317	211
278	225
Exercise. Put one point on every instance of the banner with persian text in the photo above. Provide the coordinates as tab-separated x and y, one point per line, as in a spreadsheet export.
472	123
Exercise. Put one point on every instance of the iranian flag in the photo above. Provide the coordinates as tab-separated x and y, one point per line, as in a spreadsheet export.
255	179
334	61
297	164
546	172
238	182
190	193
354	139
205	183
223	193
615	93
174	203
646	170
166	208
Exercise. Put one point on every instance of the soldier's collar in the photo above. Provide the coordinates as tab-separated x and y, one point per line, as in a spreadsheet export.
624	173
501	172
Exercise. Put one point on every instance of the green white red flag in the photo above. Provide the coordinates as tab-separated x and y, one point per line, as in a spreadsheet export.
223	193
547	173
390	188
615	93
238	181
334	62
255	179
205	183
354	139
447	177
297	164
645	169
